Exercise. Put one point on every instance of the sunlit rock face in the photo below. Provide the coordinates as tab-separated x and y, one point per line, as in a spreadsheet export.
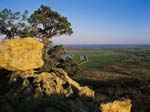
47	84
21	54
117	106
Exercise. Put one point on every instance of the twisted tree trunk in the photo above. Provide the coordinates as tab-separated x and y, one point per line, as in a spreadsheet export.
48	62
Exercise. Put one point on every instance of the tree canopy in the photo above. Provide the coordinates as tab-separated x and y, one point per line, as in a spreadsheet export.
47	23
44	23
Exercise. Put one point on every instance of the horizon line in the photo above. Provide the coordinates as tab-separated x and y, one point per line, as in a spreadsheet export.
108	44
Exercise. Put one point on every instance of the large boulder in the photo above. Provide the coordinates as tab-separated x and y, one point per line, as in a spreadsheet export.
21	54
117	106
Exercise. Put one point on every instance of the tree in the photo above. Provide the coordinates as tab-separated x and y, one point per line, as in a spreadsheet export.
46	24
13	23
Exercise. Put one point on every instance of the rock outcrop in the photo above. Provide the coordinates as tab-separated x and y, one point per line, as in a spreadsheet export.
30	91
117	106
57	82
21	54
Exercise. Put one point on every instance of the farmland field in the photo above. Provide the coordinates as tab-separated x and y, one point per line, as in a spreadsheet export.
96	58
123	62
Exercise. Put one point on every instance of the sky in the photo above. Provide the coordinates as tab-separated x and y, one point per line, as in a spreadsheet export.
96	21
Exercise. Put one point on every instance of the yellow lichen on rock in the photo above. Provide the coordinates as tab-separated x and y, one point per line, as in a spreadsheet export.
42	84
86	91
57	82
117	106
83	90
21	54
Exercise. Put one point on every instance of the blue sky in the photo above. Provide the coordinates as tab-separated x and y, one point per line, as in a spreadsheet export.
97	21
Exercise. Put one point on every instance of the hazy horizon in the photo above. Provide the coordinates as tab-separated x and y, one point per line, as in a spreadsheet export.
97	21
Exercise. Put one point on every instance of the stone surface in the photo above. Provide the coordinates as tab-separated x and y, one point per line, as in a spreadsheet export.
83	91
117	106
33	91
56	82
21	54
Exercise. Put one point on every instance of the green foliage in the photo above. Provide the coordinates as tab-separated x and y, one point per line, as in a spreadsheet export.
56	51
69	66
47	23
54	60
13	23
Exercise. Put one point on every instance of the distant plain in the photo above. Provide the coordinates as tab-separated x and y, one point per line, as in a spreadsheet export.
125	61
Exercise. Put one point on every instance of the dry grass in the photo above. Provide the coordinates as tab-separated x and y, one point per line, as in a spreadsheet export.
100	75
